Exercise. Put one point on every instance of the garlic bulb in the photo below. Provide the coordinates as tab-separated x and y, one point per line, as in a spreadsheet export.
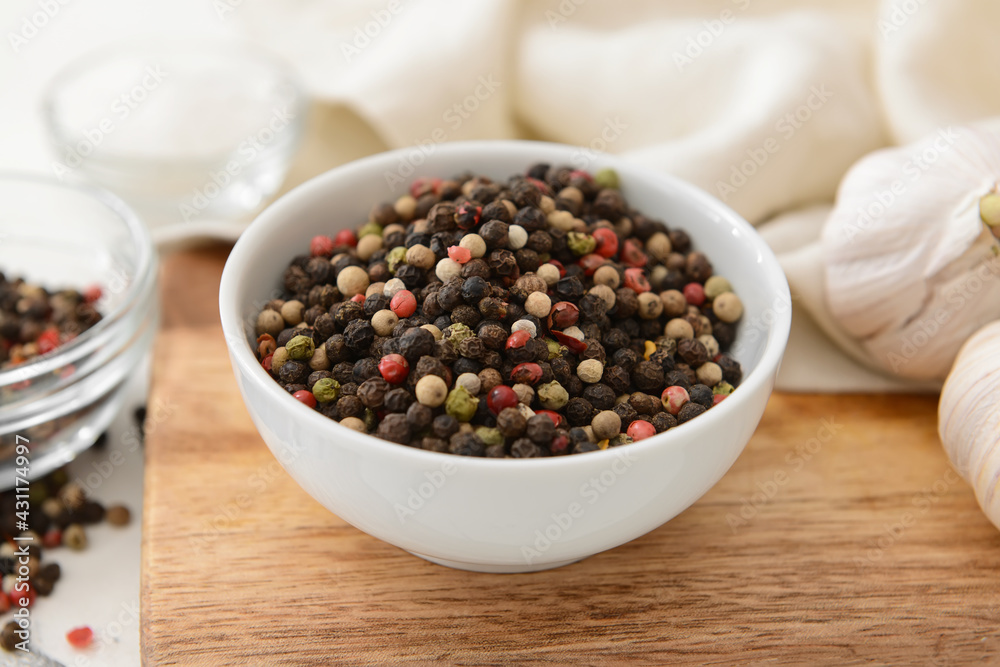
969	417
910	249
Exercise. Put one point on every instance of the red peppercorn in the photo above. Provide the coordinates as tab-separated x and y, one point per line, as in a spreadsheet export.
500	397
572	344
640	430
560	445
459	254
518	339
636	280
394	368
557	419
694	293
580	173
526	373
607	242
719	398
590	263
563	315
633	255
305	397
52	538
322	246
358	298
80	637
4	604
345	237
92	294
266	362
467	216
674	398
542	186
423	186
48	341
403	303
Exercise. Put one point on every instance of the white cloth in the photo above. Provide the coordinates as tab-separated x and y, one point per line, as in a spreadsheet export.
765	104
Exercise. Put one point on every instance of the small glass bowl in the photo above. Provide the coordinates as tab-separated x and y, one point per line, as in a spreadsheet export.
185	131
63	236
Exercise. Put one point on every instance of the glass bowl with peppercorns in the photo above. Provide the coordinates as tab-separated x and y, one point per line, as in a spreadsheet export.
508	357
78	313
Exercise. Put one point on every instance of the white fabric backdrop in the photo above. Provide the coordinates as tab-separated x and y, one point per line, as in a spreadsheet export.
762	103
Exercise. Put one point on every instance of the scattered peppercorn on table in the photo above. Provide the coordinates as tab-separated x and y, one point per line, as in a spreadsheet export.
841	534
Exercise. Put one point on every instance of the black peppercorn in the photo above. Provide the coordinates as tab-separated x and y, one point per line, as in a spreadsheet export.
394	428
466	444
445	426
293	372
419	416
540	429
663	421
648	376
600	395
579	411
689	412
511	422
523	448
702	395
372	392
350	406
677	379
731	370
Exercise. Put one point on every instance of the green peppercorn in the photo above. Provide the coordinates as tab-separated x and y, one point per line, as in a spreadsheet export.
326	390
456	333
395	258
606	178
717	285
460	404
555	349
370	228
722	389
552	395
490	436
300	347
581	244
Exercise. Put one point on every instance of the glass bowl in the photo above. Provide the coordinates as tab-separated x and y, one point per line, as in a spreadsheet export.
185	131
63	236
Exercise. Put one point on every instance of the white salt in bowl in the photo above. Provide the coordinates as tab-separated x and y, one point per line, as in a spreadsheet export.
502	515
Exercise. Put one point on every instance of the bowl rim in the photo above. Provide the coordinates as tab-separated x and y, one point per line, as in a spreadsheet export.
273	215
61	135
144	280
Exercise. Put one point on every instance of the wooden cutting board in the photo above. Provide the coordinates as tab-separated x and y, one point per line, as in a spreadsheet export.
841	535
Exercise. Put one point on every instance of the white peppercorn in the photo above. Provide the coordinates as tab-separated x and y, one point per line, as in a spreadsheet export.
538	304
517	237
524	325
606	424
354	424
590	370
352	280
392	286
475	244
470	381
678	329
292	312
607	275
728	307
525	394
447	269
420	256
384	321
709	374
270	322
431	391
650	306
368	245
549	273
606	294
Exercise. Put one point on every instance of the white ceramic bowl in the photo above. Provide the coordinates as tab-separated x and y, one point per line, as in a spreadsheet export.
502	515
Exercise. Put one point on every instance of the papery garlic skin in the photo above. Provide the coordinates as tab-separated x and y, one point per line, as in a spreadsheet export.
911	269
969	417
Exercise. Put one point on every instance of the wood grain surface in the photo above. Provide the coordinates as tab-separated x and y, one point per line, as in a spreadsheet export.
840	536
